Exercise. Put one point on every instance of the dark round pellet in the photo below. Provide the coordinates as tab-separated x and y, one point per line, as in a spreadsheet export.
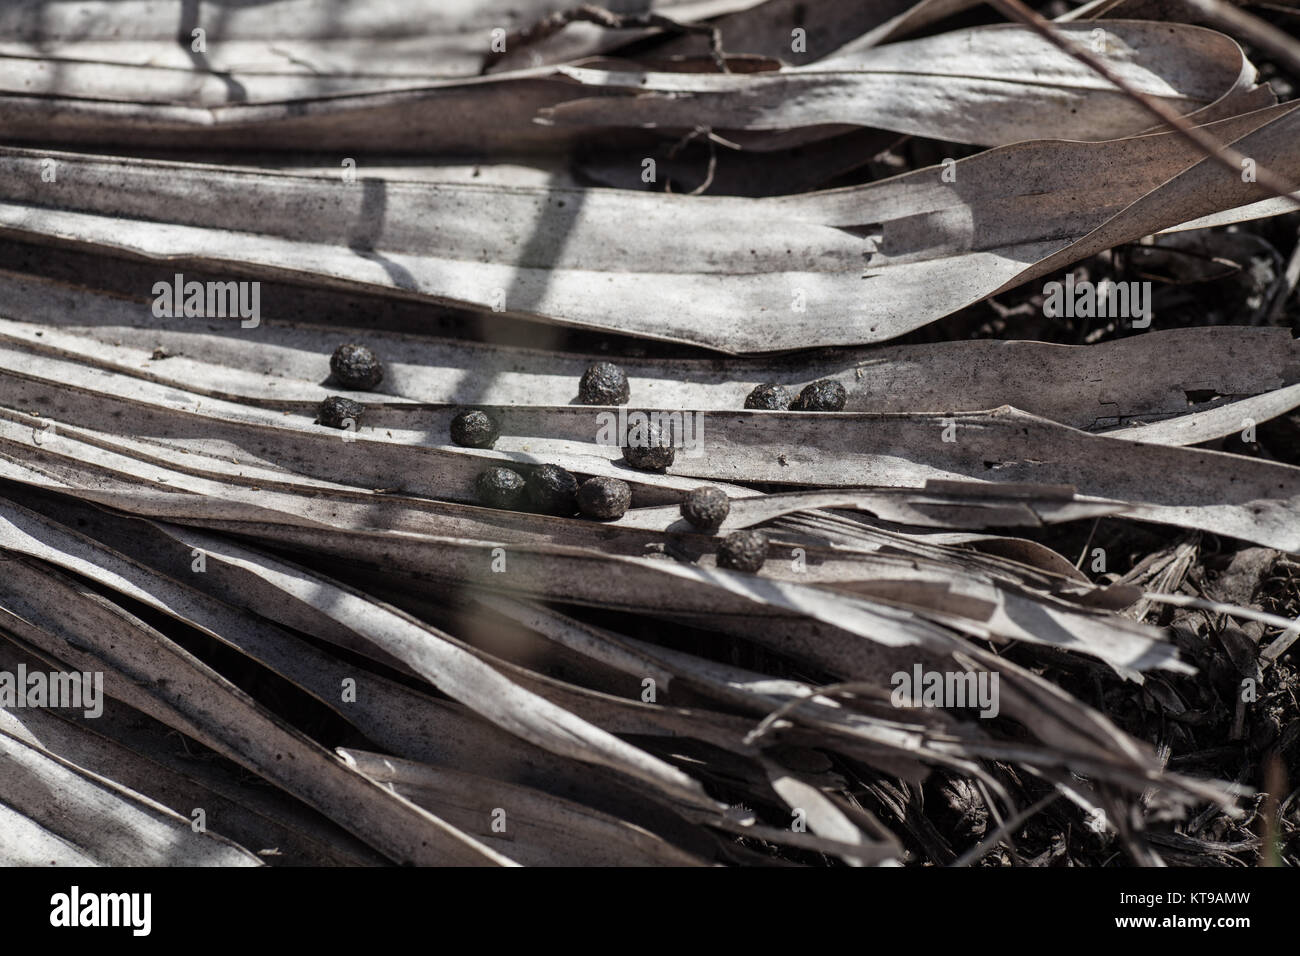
706	507
356	367
606	499
774	398
553	491
474	429
336	410
649	450
500	488
743	551
826	395
604	384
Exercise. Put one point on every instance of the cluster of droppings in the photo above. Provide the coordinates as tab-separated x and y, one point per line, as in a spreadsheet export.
824	395
353	367
552	490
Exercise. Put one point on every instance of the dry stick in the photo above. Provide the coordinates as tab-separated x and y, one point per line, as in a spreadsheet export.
1290	629
1221	153
589	13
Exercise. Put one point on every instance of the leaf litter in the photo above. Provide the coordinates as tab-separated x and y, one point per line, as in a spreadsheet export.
1057	507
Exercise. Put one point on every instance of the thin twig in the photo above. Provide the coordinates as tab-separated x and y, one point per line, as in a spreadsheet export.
1290	629
714	141
1221	153
997	836
589	13
1084	553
